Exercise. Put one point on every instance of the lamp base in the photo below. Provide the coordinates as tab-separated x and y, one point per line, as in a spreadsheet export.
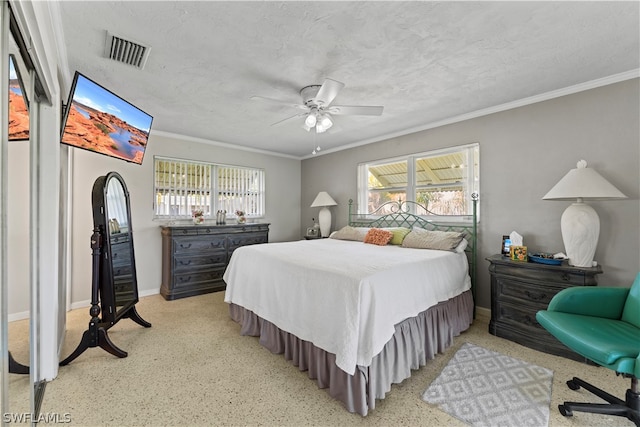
580	227
324	219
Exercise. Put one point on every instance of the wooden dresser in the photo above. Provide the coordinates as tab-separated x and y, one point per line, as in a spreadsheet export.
520	289
194	257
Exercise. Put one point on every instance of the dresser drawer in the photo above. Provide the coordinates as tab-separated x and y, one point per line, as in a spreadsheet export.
191	278
198	244
187	263
235	241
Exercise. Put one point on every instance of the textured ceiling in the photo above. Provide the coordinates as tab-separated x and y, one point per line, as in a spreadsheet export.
425	62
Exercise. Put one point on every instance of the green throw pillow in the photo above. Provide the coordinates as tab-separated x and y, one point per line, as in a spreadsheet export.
399	234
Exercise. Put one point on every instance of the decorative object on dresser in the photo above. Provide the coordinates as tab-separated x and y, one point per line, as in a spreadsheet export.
323	199
114	291
240	217
520	289
580	224
194	258
198	216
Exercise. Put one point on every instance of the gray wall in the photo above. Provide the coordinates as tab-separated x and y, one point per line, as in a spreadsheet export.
282	208
523	153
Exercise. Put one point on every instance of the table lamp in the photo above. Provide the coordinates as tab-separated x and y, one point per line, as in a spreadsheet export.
323	199
580	224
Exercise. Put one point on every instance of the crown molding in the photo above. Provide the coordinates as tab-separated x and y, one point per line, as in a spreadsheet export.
581	87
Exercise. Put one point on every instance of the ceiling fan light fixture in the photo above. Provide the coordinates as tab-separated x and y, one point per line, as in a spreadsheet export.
311	120
326	121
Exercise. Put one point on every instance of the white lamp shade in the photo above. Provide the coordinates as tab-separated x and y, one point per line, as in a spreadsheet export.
580	224
323	199
583	183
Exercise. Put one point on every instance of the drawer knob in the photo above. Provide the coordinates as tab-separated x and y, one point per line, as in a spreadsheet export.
185	279
185	262
183	246
565	277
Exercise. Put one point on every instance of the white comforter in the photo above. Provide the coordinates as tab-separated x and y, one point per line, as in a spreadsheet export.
343	296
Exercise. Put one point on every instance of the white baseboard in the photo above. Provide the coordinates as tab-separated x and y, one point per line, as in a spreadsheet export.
483	312
87	303
18	316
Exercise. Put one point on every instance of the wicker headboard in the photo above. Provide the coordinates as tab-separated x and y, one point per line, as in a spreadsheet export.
399	216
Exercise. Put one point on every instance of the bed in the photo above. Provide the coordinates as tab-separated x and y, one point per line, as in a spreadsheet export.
358	317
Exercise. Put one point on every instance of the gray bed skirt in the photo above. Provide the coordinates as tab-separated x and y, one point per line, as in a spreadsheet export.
415	341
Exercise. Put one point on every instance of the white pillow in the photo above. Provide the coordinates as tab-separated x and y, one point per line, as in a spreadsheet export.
428	239
461	246
350	233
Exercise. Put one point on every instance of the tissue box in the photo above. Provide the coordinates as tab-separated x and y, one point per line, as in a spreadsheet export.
519	253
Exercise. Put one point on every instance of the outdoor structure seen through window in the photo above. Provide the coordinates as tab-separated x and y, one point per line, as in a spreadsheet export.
183	186
442	180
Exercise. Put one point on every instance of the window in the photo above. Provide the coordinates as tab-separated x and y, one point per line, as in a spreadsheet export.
441	180
182	186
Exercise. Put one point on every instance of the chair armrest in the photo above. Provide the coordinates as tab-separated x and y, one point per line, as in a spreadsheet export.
606	302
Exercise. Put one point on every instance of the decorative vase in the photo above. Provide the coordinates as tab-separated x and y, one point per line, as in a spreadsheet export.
197	220
242	219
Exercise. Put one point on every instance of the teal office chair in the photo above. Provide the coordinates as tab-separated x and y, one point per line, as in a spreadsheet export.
601	324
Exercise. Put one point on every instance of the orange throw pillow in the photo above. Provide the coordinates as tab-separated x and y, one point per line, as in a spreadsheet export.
378	237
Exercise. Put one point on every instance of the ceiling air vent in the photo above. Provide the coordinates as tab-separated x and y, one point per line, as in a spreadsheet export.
126	51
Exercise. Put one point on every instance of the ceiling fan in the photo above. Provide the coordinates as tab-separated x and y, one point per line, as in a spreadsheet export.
317	108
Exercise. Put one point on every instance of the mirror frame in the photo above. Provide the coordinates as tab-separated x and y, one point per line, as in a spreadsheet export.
110	313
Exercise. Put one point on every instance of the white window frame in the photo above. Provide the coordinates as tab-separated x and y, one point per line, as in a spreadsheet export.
471	183
208	193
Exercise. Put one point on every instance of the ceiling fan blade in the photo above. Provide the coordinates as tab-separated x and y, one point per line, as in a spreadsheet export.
361	110
328	91
279	102
289	118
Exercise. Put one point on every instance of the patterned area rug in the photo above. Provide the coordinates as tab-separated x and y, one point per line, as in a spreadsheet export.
485	388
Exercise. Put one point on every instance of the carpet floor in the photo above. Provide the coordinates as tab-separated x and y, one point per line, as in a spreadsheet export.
193	368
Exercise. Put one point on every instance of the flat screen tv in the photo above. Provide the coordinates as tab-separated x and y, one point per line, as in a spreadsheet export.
18	105
98	120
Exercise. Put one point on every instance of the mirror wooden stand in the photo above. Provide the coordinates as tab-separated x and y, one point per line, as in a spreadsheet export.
114	290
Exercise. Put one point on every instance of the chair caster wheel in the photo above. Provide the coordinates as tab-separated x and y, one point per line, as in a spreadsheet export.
572	385
566	412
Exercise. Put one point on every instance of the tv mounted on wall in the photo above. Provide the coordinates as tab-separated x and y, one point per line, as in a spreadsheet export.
98	120
18	105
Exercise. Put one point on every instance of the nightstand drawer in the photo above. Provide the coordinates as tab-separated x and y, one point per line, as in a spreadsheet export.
547	274
526	292
518	314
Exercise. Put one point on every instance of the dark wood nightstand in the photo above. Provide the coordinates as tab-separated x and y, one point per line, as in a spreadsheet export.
520	289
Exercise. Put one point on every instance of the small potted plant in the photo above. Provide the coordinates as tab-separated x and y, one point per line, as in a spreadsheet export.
240	217
198	216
